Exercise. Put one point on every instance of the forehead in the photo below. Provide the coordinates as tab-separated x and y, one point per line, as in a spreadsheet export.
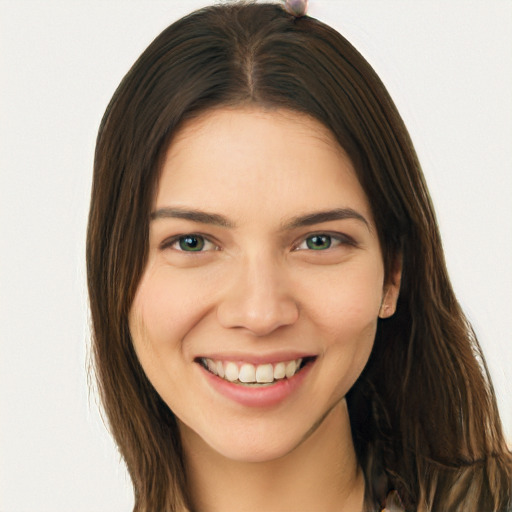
271	161
251	119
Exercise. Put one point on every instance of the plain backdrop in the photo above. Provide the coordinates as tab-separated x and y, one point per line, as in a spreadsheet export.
448	65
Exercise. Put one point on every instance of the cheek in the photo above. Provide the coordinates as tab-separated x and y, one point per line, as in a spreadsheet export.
165	308
345	317
346	307
349	331
167	305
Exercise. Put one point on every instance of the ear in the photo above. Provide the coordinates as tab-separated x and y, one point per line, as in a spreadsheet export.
391	290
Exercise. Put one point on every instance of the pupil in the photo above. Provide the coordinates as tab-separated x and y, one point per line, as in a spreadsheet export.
319	242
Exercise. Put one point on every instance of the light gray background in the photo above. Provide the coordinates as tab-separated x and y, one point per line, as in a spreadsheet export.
448	64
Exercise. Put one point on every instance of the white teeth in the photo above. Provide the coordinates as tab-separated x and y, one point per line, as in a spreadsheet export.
247	373
264	373
279	371
231	372
252	374
211	366
291	367
220	369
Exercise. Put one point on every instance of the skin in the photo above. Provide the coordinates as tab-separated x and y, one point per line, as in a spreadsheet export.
258	288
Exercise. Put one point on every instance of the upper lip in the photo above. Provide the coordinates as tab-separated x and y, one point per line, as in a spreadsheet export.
256	359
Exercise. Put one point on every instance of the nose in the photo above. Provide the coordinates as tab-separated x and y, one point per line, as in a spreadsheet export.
258	298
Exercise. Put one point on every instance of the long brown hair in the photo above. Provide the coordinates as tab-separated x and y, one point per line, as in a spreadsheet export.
423	413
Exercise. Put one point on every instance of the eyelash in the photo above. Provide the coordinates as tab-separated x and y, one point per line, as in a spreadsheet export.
341	240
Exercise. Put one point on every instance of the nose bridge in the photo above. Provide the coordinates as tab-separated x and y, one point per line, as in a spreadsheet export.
258	297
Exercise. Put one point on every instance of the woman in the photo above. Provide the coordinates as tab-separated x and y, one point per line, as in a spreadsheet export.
274	327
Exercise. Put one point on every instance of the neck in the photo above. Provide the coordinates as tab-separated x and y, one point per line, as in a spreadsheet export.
319	474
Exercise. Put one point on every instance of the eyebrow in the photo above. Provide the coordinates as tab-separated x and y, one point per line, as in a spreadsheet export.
325	216
215	219
192	215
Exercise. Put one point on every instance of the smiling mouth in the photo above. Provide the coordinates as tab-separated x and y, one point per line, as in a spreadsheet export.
251	375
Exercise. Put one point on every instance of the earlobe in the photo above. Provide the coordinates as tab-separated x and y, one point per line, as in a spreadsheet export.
391	291
387	307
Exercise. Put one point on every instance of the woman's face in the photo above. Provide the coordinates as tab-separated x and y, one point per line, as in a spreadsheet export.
264	267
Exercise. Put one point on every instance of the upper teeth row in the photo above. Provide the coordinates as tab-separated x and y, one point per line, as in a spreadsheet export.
247	372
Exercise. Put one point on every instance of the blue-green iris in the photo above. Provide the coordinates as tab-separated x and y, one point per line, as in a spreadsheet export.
191	243
318	242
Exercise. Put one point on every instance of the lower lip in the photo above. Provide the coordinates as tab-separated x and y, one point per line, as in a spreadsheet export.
265	396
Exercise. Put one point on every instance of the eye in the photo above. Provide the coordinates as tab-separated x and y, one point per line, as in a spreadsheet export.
318	242
190	243
323	241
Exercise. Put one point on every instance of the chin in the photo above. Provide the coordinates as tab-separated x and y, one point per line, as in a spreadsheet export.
247	448
258	439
